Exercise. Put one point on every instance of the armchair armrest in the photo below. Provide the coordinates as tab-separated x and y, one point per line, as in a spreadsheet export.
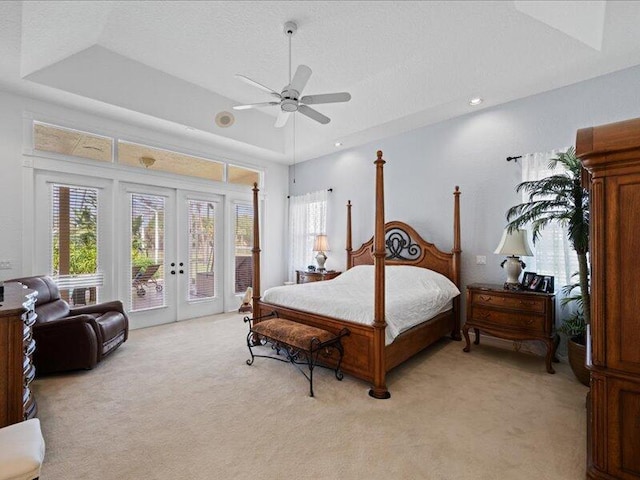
113	306
68	343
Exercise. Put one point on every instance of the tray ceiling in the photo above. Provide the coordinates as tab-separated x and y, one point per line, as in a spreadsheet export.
406	64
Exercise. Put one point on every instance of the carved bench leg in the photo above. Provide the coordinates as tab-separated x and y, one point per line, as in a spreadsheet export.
249	344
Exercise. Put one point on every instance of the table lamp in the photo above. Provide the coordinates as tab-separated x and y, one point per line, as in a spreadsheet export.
321	245
514	244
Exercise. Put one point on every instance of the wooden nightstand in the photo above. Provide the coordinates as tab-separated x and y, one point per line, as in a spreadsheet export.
304	276
515	315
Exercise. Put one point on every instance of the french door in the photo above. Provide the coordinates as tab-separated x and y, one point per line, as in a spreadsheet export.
170	251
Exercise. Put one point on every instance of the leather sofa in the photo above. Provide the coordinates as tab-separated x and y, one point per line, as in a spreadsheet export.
73	338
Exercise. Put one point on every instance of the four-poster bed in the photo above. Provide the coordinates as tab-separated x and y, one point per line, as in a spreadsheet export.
366	354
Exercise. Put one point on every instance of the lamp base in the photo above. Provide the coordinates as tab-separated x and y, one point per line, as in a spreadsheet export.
321	258
512	286
513	266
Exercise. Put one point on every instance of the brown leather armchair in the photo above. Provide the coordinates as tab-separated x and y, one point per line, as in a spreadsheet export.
73	338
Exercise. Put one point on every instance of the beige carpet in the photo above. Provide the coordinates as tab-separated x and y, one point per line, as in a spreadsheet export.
179	402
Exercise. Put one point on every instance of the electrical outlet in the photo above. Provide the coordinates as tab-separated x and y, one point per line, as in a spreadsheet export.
481	259
5	265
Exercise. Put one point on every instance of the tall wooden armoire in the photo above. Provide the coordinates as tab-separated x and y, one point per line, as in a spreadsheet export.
611	155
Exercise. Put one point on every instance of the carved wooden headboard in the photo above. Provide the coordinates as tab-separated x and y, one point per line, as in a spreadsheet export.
404	246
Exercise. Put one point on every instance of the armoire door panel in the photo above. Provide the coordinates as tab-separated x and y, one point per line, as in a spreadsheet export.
623	334
624	428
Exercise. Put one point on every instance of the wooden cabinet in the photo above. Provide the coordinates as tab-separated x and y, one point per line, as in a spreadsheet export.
304	276
611	155
17	345
515	315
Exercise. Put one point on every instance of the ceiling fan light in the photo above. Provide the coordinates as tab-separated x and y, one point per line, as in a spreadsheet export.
475	101
289	105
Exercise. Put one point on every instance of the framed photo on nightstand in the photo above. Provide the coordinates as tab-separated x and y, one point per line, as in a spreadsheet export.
527	278
536	283
547	284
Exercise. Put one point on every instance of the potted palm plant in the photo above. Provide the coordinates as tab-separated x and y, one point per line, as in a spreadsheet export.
560	198
575	328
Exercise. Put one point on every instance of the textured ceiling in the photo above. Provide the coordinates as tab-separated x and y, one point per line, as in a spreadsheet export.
406	64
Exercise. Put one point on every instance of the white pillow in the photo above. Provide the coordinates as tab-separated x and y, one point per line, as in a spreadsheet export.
405	277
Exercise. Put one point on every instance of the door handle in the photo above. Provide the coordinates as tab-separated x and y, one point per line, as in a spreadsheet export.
173	272
173	264
181	264
181	271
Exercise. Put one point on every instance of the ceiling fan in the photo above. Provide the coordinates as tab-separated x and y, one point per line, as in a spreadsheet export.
289	99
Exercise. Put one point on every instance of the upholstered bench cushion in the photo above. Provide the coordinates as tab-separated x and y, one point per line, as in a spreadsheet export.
21	451
295	334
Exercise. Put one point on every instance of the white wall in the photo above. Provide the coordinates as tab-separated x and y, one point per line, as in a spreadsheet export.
424	165
15	178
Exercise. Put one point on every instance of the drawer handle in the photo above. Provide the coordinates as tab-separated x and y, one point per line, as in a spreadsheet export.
528	321
485	299
527	302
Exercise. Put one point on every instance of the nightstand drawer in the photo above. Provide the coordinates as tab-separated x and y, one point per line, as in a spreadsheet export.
530	304
508	319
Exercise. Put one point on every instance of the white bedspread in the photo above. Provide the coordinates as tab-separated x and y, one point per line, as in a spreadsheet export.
413	295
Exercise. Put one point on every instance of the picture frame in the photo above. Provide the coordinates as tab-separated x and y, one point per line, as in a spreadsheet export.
547	284
536	283
527	278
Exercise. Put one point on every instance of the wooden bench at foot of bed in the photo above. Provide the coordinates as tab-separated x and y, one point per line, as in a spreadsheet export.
358	359
301	344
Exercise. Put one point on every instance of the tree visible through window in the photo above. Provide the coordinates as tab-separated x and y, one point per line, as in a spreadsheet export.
74	220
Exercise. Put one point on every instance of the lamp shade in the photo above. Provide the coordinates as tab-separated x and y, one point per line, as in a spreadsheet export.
514	243
321	244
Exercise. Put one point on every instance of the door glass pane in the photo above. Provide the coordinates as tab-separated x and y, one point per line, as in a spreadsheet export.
74	265
147	252
243	246
201	249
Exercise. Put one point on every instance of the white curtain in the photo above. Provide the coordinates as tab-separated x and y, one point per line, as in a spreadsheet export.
553	252
307	218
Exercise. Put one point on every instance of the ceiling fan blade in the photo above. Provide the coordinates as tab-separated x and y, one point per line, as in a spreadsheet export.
255	105
283	116
326	98
257	85
300	78
313	114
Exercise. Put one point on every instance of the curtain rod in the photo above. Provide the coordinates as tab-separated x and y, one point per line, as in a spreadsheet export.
515	159
328	190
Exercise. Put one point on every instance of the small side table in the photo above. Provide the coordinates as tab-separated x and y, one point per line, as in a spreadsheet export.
304	276
514	315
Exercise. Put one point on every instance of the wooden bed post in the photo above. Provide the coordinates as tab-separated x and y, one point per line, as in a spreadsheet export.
255	251
455	333
349	249
379	389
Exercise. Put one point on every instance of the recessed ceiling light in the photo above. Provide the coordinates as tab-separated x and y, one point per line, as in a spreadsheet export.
338	144
475	101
